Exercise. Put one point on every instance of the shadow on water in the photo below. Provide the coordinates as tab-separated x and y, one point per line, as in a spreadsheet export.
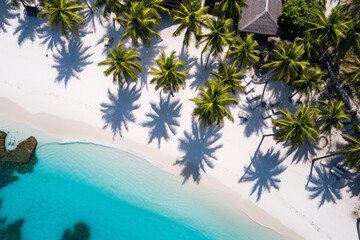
6	13
119	112
27	29
163	119
71	60
264	171
147	56
325	186
198	147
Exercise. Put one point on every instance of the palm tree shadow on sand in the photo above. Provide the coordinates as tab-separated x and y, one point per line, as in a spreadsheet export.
201	74
71	60
27	28
304	153
163	119
50	37
119	112
147	56
263	172
325	186
6	13
198	147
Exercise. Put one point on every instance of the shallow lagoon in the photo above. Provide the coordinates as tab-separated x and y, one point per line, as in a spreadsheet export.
119	196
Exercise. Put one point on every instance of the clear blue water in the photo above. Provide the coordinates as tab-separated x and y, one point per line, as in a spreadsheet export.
119	196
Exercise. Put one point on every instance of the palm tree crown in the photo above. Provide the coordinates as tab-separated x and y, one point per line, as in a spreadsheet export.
310	81
331	113
191	17
309	44
229	8
352	38
168	75
243	51
110	6
352	149
287	61
298	128
122	64
229	77
138	23
329	30
218	36
211	105
63	14
352	69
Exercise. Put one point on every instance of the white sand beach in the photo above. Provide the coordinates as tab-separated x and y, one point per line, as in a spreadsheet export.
55	85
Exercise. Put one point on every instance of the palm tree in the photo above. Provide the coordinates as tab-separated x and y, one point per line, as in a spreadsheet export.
156	7
63	14
123	64
218	37
229	77
191	18
168	77
351	40
287	61
297	128
352	70
211	105
352	150
138	23
229	8
243	51
110	6
331	113
309	44
16	3
329	30
310	81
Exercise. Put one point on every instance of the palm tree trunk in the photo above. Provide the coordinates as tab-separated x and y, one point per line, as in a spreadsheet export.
326	156
207	61
291	96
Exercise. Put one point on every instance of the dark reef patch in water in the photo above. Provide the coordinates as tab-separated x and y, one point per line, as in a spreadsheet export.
81	232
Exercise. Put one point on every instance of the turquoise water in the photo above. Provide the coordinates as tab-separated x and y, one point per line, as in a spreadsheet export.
119	196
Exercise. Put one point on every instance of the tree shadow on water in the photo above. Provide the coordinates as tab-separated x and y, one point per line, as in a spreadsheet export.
71	60
198	150
325	186
27	29
6	13
119	112
264	171
163	118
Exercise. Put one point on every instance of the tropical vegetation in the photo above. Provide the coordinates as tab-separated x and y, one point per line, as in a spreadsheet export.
351	151
243	51
63	14
168	77
212	104
123	64
229	76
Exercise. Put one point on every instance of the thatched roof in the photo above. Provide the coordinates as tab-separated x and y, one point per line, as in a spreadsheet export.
260	17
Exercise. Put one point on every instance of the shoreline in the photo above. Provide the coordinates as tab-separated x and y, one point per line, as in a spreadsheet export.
13	112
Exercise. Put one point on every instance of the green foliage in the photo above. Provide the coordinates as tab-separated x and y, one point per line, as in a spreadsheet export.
310	46
352	70
138	23
297	128
243	51
122	64
296	15
331	113
63	14
330	30
110	6
230	8
310	81
287	60
352	38
211	105
218	37
168	75
229	76
191	18
352	149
